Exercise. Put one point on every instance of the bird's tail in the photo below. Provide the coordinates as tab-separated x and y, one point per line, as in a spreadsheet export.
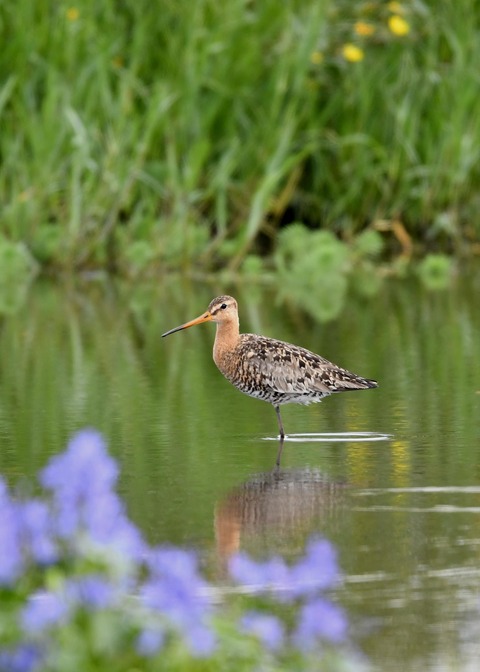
350	381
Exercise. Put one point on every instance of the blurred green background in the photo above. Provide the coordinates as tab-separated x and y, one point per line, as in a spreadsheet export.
138	135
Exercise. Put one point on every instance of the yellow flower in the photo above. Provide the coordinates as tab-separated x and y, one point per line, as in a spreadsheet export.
398	25
396	7
363	28
316	57
72	14
352	53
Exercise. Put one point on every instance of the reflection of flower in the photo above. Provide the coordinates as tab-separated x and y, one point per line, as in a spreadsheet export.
352	53
398	25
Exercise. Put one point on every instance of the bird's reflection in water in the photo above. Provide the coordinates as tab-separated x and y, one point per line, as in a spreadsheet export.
275	507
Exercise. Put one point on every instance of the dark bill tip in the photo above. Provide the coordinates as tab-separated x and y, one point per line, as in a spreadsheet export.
206	317
172	331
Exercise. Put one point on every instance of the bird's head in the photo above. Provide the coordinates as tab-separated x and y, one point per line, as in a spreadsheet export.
222	309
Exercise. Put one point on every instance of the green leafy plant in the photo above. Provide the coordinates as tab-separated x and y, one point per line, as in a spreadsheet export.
314	267
435	271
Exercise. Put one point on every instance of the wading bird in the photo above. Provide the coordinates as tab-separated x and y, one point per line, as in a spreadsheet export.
268	369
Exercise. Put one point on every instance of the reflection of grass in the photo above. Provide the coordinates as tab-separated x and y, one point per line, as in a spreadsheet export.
194	129
93	356
17	268
435	271
313	268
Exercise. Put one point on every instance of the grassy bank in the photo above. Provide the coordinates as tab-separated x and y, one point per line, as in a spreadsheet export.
136	134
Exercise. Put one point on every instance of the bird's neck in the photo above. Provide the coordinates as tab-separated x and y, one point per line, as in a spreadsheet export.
226	339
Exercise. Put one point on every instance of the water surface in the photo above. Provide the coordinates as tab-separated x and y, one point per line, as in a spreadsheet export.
198	458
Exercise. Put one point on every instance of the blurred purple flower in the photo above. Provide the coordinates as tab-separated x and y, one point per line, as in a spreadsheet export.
82	480
80	474
87	515
91	591
10	554
320	620
176	589
269	629
37	535
105	519
25	658
175	570
317	570
261	576
84	467
150	642
201	639
43	610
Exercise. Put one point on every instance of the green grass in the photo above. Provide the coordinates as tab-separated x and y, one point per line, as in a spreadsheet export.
186	134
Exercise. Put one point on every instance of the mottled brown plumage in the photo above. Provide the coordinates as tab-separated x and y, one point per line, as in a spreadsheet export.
268	369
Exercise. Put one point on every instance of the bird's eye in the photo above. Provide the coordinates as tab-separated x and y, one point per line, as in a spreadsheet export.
223	306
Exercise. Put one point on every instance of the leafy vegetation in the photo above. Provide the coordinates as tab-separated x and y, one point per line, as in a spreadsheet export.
190	136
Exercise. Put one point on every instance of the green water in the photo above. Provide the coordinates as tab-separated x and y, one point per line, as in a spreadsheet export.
197	468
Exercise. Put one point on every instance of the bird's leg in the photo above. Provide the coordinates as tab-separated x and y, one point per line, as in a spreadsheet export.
280	423
279	454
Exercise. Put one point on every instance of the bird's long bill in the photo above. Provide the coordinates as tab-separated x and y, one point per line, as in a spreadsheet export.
206	317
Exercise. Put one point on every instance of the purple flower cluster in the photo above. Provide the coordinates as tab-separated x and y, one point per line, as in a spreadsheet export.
46	609
267	628
10	557
22	658
43	610
175	588
26	532
82	482
81	530
302	584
